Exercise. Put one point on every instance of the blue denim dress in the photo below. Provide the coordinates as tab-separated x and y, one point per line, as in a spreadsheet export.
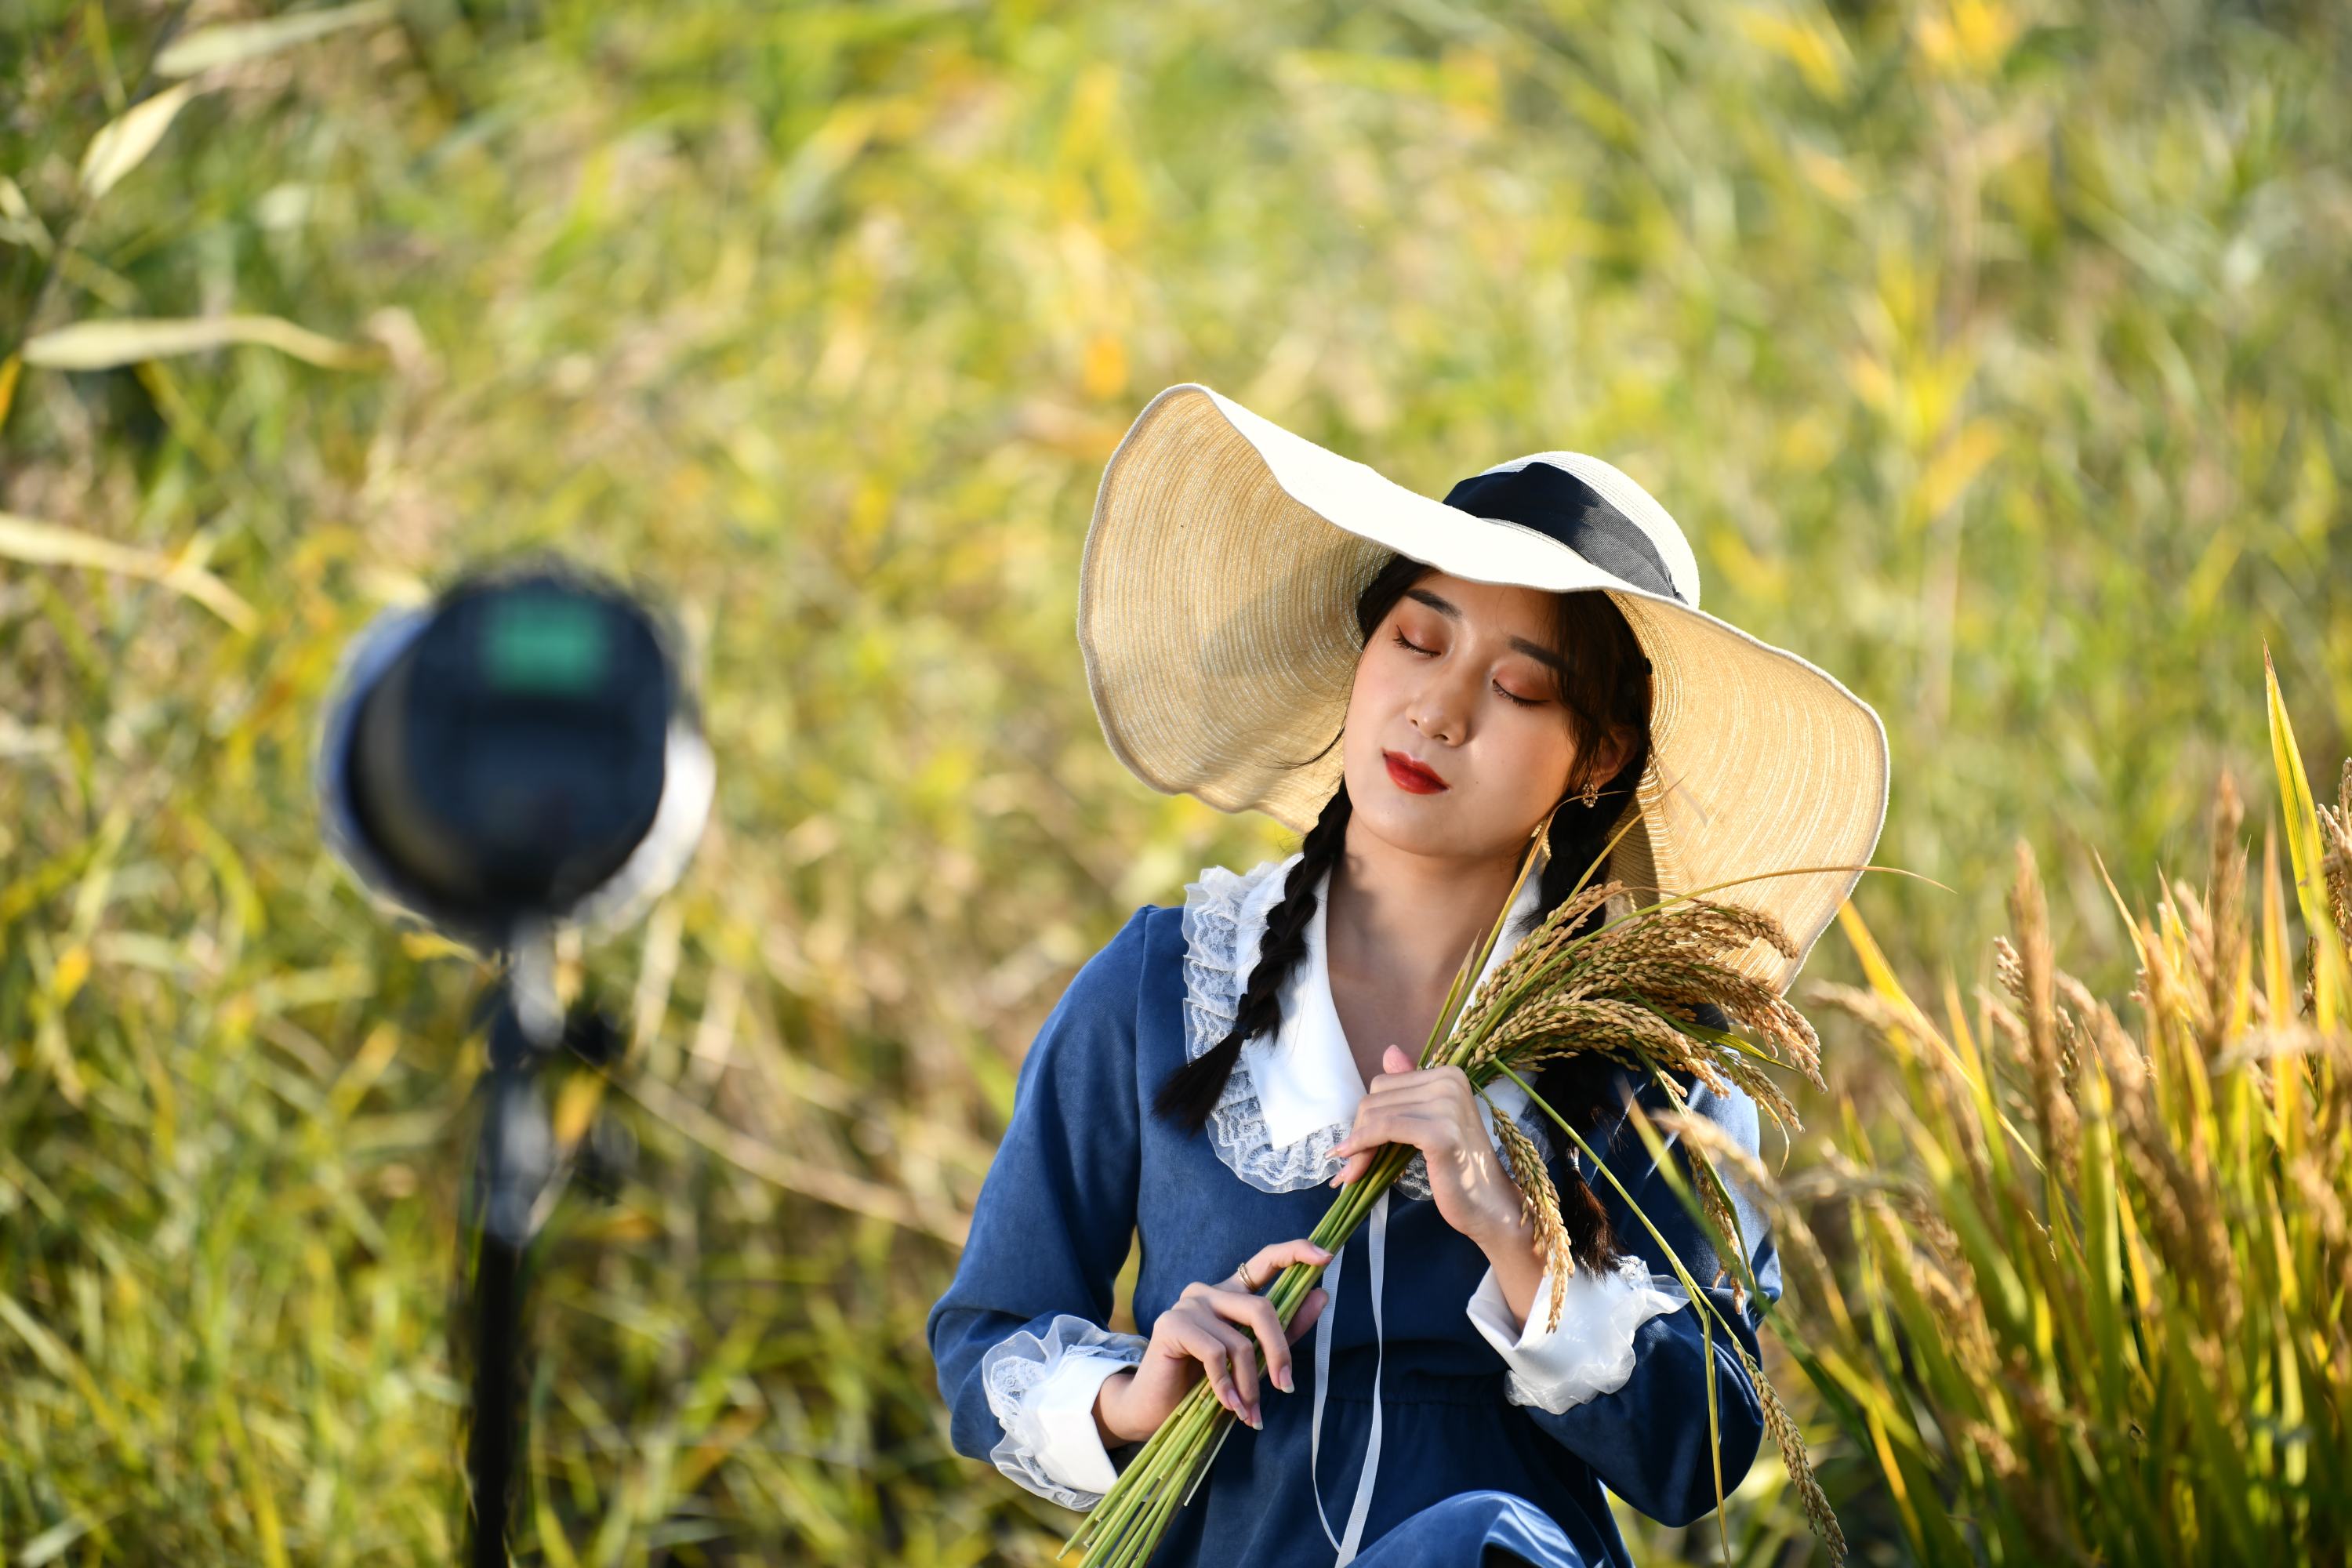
1465	1475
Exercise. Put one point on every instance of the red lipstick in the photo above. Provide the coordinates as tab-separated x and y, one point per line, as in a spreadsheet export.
1411	776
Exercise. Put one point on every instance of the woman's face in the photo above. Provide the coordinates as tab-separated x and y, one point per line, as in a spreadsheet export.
1457	679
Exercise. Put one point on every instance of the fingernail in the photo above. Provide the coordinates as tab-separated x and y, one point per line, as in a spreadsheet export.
1257	1423
1281	1380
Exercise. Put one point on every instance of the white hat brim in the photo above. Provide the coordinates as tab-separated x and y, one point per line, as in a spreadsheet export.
1217	615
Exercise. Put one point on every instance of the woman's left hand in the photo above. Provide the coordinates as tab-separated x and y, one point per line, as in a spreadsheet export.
1432	1110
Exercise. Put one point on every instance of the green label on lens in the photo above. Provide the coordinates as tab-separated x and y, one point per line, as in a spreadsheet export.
551	646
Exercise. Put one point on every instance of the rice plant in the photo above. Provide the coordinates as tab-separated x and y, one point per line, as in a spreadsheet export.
2099	1314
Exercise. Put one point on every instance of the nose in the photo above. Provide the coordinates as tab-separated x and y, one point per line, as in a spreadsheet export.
1441	709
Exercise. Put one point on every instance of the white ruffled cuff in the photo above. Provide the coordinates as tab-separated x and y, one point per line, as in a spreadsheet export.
1592	1351
1043	1393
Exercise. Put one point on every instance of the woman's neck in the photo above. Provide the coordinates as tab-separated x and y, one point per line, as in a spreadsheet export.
1409	918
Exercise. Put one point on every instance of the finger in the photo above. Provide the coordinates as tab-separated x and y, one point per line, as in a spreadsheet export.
1241	1366
1364	1135
1242	1353
1398	1068
1278	1256
1433	1134
1309	1311
1406	1089
1278	1348
1204	1344
1265	1265
1375	1125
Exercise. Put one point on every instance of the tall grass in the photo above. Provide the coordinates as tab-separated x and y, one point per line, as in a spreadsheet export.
1991	352
2103	1310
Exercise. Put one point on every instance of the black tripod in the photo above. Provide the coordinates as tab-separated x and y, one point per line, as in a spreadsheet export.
524	754
514	1185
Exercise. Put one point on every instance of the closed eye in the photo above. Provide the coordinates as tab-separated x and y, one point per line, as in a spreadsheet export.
1404	642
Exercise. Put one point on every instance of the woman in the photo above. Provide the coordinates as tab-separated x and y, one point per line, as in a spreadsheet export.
1269	627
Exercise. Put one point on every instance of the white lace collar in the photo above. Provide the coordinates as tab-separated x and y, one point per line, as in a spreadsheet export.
1292	1098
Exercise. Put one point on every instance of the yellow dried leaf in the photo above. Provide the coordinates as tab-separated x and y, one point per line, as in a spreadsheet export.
125	142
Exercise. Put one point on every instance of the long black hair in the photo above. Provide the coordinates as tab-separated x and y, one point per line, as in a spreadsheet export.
1604	687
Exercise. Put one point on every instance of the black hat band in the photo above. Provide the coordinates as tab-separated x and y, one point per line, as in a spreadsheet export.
1561	507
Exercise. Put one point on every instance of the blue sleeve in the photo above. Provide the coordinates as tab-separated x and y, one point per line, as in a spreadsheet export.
1647	1441
1056	1210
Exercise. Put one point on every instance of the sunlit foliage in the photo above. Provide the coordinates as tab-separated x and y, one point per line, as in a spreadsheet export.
1991	353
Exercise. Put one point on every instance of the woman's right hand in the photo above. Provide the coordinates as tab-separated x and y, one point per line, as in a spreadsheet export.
1208	1331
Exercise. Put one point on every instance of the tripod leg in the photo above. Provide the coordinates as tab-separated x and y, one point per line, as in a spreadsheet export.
512	1167
491	1445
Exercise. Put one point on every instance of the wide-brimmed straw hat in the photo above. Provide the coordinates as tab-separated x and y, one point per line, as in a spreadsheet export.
1216	611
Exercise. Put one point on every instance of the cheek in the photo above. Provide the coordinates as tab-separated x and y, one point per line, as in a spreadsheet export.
1369	692
1533	754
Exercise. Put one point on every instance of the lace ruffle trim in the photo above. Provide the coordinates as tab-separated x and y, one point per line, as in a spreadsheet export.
1225	922
1012	1368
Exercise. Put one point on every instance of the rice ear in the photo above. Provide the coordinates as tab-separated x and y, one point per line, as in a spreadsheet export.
1539	1200
1795	1459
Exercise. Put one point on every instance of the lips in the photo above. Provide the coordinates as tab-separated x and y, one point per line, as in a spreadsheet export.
1412	776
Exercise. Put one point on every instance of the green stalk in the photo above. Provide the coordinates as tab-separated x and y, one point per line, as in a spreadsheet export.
1457	996
1715	1437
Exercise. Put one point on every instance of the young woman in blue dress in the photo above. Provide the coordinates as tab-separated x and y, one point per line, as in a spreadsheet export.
1415	685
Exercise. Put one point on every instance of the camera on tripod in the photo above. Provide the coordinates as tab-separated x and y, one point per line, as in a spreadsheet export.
519	756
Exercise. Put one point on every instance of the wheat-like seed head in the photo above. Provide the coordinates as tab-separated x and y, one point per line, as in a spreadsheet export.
1539	1200
1799	1464
1535	950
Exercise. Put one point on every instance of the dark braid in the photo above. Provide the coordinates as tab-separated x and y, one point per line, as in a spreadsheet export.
1584	1088
1192	1090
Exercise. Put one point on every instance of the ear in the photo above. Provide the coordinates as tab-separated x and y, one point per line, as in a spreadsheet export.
1619	749
1613	753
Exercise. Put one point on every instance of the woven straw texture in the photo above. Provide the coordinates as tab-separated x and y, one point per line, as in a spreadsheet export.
1216	613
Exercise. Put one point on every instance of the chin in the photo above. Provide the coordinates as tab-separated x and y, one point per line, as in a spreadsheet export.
1418	825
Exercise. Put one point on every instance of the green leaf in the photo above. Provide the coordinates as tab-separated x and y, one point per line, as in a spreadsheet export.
2303	844
209	46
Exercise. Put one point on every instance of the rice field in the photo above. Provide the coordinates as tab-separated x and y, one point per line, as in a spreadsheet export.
1991	353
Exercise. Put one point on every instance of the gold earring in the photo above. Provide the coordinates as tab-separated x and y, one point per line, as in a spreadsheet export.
1592	795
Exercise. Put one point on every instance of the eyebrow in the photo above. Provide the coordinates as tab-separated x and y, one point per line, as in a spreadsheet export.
1453	612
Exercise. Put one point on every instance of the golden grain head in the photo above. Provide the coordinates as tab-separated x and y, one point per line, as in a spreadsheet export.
1540	1201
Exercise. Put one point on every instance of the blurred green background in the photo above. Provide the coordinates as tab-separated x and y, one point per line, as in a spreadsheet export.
1993	356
